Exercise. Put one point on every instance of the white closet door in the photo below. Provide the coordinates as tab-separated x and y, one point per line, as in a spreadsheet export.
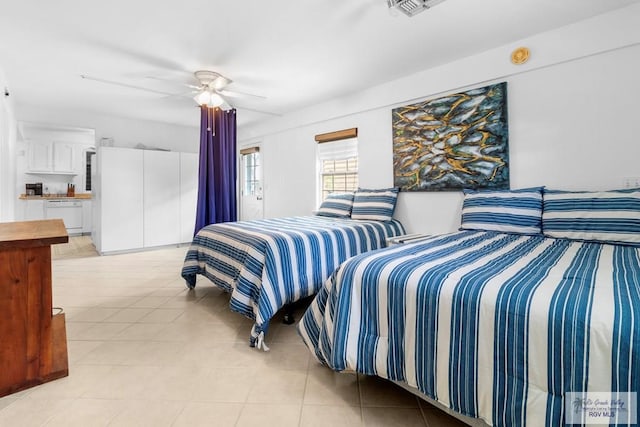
161	198
188	195
121	199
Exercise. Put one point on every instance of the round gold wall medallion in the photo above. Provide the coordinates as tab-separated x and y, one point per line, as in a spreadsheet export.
520	55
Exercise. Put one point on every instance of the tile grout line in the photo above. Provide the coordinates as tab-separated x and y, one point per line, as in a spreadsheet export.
360	399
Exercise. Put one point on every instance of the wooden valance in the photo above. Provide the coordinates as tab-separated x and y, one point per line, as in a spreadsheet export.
250	150
337	135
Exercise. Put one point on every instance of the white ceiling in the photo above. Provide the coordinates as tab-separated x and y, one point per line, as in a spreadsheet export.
296	53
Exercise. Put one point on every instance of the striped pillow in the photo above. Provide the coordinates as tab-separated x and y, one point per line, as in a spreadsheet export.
337	205
508	211
377	205
601	216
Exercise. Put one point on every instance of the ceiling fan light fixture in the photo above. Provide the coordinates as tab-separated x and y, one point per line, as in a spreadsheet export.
215	100
209	98
412	7
203	97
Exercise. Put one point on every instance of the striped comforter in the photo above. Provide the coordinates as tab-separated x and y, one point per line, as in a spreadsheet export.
268	263
494	326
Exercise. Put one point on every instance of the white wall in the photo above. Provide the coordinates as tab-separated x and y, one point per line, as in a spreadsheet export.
126	133
7	153
572	113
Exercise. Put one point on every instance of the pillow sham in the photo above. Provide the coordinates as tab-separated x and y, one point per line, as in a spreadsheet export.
377	205
600	216
507	211
337	205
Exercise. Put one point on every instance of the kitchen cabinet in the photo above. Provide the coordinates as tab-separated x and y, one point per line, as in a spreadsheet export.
75	212
63	157
87	217
40	156
33	210
51	157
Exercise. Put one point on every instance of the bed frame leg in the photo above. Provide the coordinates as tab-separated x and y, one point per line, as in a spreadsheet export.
288	315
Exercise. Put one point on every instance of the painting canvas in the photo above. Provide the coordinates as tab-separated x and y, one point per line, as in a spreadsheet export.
458	141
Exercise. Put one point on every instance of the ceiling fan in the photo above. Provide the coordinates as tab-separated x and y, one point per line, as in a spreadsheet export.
209	89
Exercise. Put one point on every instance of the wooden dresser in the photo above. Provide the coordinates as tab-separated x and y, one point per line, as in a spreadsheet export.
33	342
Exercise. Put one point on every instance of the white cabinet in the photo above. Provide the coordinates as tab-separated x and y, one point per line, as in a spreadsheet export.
161	198
33	210
51	157
63	157
87	217
40	156
143	198
121	199
188	195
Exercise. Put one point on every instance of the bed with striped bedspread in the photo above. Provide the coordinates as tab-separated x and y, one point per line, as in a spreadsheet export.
265	264
494	326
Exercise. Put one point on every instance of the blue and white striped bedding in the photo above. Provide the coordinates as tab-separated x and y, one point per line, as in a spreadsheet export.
377	205
495	326
337	205
508	211
268	263
604	216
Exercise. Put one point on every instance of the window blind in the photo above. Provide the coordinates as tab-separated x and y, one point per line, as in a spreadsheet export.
343	149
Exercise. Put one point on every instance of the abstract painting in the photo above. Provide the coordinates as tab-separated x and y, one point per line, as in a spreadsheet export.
455	142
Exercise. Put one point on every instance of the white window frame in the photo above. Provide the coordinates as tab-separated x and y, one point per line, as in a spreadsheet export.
256	170
334	150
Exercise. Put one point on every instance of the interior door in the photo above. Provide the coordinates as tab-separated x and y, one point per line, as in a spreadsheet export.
251	198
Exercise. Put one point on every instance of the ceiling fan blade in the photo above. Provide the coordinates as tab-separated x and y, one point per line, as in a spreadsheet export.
236	94
174	82
221	82
112	82
189	94
139	56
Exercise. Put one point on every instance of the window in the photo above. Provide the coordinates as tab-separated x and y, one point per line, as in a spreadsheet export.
339	175
251	171
338	167
88	159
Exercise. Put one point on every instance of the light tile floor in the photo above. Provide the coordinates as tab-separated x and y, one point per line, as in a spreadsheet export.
145	351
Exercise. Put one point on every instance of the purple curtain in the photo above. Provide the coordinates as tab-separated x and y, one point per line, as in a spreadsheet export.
217	171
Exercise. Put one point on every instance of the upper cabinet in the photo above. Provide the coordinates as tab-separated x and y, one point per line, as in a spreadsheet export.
40	156
63	157
52	157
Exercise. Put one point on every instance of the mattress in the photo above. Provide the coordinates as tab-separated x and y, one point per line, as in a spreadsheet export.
494	326
265	264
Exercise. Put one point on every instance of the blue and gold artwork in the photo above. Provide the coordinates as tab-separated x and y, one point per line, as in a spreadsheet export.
455	142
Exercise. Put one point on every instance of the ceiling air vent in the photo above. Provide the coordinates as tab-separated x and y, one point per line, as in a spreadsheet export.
412	7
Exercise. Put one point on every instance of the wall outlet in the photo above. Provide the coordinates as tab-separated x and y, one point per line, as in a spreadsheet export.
631	182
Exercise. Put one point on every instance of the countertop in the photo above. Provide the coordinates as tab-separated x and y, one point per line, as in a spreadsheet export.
28	234
78	196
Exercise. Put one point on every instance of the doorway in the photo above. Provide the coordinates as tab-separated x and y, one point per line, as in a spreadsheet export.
251	197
